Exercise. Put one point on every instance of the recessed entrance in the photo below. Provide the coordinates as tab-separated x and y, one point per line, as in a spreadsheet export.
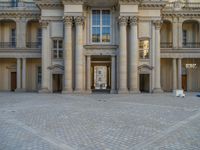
101	74
57	83
144	83
13	81
184	82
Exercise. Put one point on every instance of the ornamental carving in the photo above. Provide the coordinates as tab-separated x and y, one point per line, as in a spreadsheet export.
44	23
133	20
68	20
123	20
157	24
79	20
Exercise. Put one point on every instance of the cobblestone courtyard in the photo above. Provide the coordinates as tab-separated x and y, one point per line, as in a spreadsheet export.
31	121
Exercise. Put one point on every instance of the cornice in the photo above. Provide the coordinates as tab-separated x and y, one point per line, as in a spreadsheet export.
147	4
74	2
44	4
20	14
125	2
180	14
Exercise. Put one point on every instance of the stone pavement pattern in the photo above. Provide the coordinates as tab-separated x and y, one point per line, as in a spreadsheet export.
31	121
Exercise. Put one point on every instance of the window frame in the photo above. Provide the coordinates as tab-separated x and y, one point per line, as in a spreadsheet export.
149	49
101	26
57	49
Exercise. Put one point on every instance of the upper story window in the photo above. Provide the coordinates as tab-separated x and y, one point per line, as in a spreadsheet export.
13	37
14	3
184	37
39	38
144	49
101	26
58	49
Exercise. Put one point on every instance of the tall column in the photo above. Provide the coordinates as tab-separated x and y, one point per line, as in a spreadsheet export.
24	74
133	77
157	88
123	55
68	56
18	74
180	33
45	55
21	33
79	55
89	74
174	74
175	32
113	75
179	74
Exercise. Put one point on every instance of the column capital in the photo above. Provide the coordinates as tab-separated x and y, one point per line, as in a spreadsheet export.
68	20
79	20
44	23
123	20
133	20
157	24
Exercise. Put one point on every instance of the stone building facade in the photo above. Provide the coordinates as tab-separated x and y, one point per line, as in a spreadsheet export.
80	46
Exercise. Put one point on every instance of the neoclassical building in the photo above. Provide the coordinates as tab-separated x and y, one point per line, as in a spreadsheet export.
118	46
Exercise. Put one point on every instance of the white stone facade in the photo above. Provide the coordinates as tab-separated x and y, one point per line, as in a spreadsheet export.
55	45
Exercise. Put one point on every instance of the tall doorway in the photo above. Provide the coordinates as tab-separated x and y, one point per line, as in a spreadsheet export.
13	81
57	83
144	83
184	82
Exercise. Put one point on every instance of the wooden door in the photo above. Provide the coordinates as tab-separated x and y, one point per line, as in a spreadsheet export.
13	81
184	82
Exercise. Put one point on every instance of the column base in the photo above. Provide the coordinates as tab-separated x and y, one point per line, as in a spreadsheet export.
123	92
44	90
157	90
79	92
67	91
134	91
19	90
88	92
113	92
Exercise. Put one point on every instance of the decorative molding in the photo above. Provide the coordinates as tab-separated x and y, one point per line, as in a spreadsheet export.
157	24
76	2
79	20
123	20
68	20
44	23
133	21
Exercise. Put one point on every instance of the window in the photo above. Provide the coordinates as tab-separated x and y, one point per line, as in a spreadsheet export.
13	38
144	49
14	3
39	76
39	38
184	37
58	49
101	26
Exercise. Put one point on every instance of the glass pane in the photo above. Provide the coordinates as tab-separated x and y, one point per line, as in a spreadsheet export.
54	43
60	44
60	54
106	34
144	49
106	17
95	34
96	17
54	53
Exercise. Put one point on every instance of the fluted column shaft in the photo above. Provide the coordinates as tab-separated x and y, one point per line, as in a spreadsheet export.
89	73
113	75
123	55
180	33
21	33
18	74
79	55
157	87
175	33
174	74
24	74
133	77
68	55
179	73
45	55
